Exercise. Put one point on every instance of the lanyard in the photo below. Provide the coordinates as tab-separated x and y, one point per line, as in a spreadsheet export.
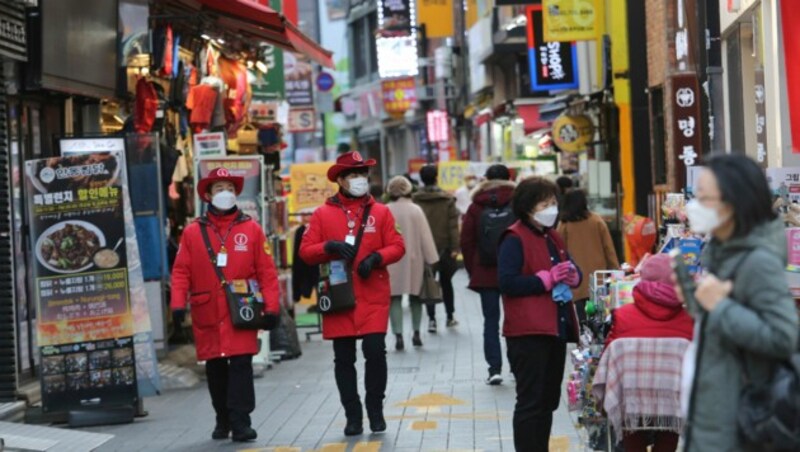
351	221
222	239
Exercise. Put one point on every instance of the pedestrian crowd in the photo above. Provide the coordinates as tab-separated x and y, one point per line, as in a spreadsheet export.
529	248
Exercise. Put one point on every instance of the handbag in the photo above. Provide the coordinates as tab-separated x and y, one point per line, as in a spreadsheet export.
431	291
247	135
243	296
335	289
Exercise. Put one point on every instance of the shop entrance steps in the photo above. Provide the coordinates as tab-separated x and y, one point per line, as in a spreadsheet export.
34	438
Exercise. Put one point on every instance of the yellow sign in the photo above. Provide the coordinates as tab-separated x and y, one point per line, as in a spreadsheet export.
472	13
437	15
572	20
572	133
310	185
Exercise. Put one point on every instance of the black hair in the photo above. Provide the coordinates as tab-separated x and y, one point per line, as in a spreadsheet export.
357	170
564	184
574	206
429	174
529	193
498	172
743	185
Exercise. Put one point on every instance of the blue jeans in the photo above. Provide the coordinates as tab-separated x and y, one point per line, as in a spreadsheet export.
490	303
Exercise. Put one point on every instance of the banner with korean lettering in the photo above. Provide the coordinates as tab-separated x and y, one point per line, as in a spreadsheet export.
310	186
399	95
80	278
250	167
687	122
553	64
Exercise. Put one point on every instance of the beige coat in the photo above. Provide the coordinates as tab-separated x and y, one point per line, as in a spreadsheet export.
590	245
406	275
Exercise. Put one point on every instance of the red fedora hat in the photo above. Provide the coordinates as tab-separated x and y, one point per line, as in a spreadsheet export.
348	161
218	175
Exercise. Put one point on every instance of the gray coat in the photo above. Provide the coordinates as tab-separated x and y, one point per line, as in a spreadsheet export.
753	329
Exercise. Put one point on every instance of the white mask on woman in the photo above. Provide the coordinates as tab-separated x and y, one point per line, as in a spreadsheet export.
702	219
546	217
223	200
359	186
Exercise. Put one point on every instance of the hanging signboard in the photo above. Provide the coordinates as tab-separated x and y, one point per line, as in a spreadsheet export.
572	133
299	76
399	95
302	120
761	118
572	20
310	186
13	39
251	200
209	144
437	15
553	65
686	127
438	126
395	18
85	324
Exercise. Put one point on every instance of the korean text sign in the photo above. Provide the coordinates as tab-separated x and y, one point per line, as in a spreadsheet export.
553	65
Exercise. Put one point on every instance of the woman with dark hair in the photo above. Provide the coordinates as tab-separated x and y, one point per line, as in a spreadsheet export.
745	315
587	239
535	275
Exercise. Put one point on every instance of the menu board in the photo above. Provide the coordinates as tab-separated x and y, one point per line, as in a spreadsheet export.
251	200
80	273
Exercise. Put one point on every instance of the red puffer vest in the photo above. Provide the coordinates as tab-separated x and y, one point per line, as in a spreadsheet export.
535	314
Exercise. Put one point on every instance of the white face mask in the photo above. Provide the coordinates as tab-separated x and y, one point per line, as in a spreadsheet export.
359	186
546	217
702	219
223	200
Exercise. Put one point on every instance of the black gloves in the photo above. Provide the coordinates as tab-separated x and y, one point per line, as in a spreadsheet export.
178	316
343	249
368	264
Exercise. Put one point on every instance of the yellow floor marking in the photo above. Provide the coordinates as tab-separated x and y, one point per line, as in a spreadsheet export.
286	449
559	444
424	425
431	400
260	449
372	446
333	447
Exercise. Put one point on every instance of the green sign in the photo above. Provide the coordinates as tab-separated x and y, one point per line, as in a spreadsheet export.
270	86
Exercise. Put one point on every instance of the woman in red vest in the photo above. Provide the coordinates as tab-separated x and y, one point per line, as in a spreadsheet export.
536	275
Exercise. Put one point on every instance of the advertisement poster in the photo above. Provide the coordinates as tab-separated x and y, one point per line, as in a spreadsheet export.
209	144
394	17
80	277
250	201
553	64
147	378
452	173
573	20
299	80
785	182
399	95
310	186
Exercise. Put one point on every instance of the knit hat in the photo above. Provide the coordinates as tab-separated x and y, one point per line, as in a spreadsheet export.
657	268
399	187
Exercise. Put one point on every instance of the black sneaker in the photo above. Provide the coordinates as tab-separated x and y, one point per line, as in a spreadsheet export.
221	432
416	340
432	326
244	435
399	345
494	379
451	322
354	427
377	423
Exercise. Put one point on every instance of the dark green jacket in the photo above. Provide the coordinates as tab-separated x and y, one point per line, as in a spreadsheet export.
440	209
750	331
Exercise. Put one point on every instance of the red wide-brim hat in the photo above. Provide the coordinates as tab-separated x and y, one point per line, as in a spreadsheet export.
346	161
219	175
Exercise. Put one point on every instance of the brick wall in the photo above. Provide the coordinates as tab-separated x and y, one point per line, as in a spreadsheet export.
656	41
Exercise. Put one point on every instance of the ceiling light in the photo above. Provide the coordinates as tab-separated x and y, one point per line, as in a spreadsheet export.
220	41
205	36
261	66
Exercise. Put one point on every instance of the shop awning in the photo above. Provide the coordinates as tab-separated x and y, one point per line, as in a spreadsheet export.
263	23
530	115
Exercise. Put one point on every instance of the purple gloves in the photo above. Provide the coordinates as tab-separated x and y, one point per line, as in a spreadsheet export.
564	272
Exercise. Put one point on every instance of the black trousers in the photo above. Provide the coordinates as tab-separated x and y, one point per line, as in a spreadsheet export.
538	366
375	373
447	268
230	382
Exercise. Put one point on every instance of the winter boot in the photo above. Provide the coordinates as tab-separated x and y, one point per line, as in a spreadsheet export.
416	340
377	423
399	345
240	424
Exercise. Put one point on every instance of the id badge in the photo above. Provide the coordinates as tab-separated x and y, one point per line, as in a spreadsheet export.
222	259
350	239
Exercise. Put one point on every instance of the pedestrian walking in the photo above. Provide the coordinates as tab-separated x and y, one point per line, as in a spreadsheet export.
406	274
331	236
588	241
442	214
535	274
656	312
464	193
242	254
746	317
490	197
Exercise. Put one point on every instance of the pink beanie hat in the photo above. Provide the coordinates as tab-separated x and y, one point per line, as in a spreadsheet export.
657	268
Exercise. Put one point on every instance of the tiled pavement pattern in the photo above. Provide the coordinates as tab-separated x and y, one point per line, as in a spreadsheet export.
436	401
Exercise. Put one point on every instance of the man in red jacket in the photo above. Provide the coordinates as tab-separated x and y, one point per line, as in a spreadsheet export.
331	235
494	192
242	253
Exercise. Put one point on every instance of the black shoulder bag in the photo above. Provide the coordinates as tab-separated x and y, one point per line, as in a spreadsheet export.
335	289
244	297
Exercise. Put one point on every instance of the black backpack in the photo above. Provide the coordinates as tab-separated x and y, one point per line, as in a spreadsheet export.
493	222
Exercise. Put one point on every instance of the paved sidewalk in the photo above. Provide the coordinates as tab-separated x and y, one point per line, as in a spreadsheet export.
436	401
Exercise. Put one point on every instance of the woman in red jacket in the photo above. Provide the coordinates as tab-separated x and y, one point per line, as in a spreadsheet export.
331	236
656	312
535	274
227	351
